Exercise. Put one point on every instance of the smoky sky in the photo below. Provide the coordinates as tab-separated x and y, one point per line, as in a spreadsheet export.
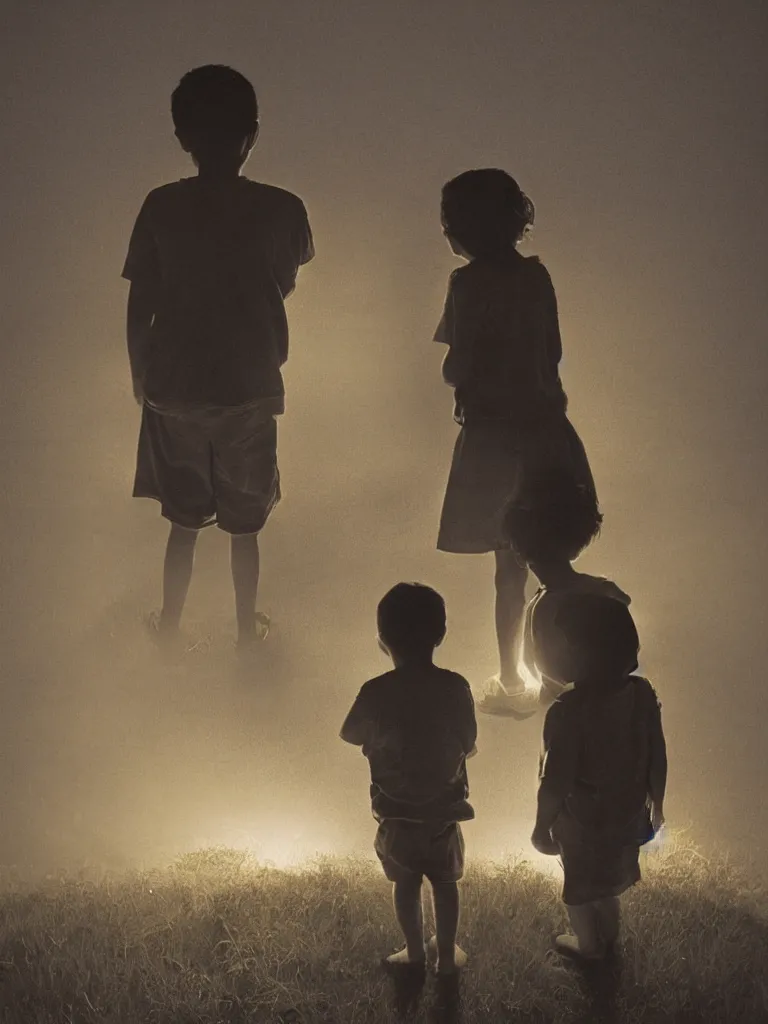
639	130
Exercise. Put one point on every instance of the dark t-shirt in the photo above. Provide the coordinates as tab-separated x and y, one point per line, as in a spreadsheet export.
219	259
500	322
416	727
599	742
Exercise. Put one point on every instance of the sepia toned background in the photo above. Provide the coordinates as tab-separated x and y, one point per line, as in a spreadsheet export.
639	130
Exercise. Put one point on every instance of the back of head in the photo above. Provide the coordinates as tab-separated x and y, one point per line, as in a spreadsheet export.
555	522
486	212
600	638
411	619
214	110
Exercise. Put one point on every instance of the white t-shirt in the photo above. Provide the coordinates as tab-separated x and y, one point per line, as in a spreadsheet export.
220	259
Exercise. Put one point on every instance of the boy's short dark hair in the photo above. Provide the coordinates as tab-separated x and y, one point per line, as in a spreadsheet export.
411	618
555	521
601	637
213	106
486	212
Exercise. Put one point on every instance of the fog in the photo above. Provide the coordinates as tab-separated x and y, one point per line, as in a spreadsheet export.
640	134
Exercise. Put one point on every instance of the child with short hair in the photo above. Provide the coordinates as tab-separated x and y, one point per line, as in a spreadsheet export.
416	725
211	261
500	324
548	531
603	769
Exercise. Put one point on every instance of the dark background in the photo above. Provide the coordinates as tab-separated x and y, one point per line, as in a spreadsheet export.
640	132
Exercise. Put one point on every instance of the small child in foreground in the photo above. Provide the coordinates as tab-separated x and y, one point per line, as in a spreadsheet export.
548	533
603	770
416	725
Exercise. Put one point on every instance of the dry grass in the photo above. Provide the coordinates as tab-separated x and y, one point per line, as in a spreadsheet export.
217	937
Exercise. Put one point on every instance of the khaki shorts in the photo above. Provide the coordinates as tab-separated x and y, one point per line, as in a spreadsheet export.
412	849
210	468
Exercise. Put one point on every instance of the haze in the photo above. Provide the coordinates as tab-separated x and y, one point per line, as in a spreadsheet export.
640	133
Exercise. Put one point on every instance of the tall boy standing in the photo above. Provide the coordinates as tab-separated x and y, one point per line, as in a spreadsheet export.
211	261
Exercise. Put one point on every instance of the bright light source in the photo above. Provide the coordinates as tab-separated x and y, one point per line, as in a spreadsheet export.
532	679
280	844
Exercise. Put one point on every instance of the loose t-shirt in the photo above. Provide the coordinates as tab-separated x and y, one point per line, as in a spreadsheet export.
500	322
599	743
219	260
416	727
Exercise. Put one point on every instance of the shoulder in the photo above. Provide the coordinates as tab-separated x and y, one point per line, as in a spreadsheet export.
171	192
646	690
456	682
378	685
538	272
277	199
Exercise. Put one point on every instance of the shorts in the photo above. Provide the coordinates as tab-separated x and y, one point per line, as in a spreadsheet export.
491	460
412	849
210	468
598	864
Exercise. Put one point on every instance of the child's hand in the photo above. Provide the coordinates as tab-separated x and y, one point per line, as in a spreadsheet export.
543	842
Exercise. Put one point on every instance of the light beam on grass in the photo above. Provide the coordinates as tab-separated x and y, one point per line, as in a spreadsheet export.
280	843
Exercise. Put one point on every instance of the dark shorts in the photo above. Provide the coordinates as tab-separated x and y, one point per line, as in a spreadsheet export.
412	849
491	460
209	468
598	863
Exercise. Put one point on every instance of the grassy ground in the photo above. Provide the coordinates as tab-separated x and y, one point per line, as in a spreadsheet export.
219	938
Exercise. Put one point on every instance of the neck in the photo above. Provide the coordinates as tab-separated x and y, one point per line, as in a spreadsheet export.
419	661
554	575
218	172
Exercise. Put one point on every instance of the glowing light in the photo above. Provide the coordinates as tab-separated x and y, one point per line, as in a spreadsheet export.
282	844
531	678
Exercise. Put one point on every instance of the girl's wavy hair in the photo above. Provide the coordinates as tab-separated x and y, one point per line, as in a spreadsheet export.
556	520
486	212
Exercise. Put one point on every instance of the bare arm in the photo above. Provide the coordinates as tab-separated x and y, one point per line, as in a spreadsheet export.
356	725
556	775
657	771
141	311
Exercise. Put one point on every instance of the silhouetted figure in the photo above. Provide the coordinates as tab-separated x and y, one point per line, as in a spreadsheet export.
211	260
500	324
416	725
548	531
603	769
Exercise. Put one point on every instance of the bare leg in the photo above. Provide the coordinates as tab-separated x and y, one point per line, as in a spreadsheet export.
608	918
244	560
510	604
406	897
177	572
585	940
445	899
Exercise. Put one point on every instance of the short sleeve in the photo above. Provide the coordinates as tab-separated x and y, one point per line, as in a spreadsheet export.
304	244
560	749
548	299
466	723
295	247
142	264
445	331
357	725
